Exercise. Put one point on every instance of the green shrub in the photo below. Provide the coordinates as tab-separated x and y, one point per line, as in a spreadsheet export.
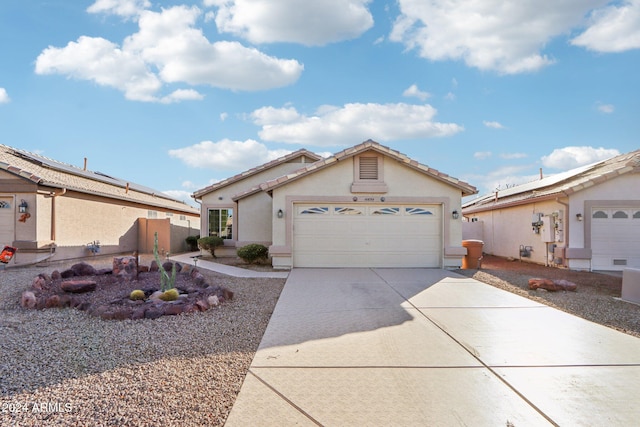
253	253
210	244
192	242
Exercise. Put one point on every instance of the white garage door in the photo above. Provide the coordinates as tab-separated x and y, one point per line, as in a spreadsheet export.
615	238
353	235
7	227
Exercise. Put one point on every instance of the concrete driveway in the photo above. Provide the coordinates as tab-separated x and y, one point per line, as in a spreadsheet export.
404	347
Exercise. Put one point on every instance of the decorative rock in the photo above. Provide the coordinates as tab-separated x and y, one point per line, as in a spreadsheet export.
143	268
67	273
199	279
78	286
153	312
28	300
52	302
56	275
202	305
103	271
552	285
40	283
213	300
153	266
156	296
565	285
125	268
172	309
83	269
138	313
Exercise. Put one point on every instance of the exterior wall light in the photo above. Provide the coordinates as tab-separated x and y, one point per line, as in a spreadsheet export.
23	206
579	217
280	213
455	214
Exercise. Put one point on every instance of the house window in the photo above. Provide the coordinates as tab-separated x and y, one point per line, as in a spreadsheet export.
152	214
221	223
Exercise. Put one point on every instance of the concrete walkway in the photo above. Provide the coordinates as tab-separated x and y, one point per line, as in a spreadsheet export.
423	347
193	259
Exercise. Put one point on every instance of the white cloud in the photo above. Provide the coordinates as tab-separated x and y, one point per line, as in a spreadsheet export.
124	8
572	157
614	28
493	125
481	155
350	124
227	154
224	116
606	108
413	91
167	49
507	37
4	96
450	96
311	23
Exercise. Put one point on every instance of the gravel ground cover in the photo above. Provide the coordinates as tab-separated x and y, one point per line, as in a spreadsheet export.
597	297
64	367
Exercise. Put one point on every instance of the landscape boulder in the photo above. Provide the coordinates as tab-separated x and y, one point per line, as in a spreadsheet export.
78	286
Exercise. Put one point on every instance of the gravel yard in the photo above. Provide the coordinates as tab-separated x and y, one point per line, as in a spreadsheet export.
64	367
596	298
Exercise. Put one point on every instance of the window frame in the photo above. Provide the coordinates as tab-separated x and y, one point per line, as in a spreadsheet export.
218	229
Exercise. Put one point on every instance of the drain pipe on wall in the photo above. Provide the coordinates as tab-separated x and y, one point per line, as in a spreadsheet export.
566	230
53	196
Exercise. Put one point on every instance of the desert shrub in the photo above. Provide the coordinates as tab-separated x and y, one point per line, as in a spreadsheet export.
210	244
170	295
192	242
137	295
253	252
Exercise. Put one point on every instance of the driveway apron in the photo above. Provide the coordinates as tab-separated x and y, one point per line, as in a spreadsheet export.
404	347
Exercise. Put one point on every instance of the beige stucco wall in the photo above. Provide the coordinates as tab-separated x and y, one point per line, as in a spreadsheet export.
251	212
505	230
254	220
334	184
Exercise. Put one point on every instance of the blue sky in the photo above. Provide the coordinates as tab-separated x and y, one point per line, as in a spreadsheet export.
176	95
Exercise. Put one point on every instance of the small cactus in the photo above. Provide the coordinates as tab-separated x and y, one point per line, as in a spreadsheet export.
170	295
137	295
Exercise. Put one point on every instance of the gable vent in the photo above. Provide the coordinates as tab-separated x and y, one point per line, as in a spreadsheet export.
619	262
368	168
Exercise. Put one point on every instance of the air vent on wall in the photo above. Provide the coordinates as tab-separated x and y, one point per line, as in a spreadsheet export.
619	262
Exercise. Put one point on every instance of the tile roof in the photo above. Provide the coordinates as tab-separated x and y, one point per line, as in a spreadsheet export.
218	185
51	173
466	189
558	185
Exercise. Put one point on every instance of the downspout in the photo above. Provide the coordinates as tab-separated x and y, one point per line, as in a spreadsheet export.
566	228
53	196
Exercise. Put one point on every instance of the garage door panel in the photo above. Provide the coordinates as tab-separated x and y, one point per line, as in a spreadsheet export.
615	233
379	235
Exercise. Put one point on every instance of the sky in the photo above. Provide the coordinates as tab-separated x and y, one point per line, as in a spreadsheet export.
177	95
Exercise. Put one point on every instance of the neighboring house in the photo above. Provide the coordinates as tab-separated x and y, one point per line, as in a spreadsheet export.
54	211
586	219
366	206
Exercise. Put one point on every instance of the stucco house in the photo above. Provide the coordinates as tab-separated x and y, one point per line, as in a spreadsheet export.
55	211
587	218
365	206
